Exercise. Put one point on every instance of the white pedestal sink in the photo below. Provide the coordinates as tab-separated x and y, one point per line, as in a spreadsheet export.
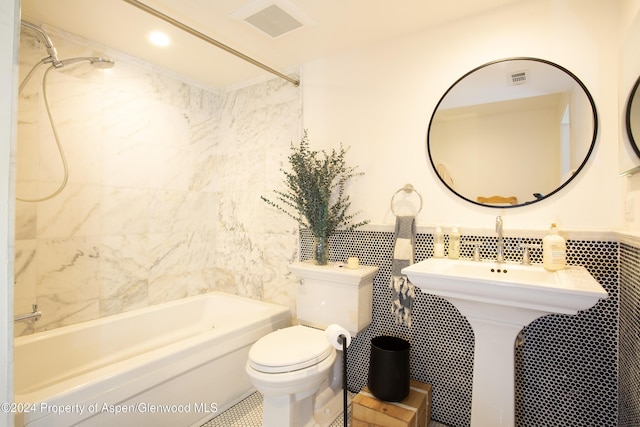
498	300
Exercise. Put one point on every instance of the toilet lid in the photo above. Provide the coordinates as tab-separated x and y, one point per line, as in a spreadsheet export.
289	349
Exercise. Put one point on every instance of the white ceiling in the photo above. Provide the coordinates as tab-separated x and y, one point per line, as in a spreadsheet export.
330	27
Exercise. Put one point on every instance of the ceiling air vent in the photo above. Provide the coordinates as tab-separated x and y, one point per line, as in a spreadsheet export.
273	21
518	77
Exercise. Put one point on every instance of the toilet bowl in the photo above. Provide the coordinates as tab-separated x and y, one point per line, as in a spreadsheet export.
297	369
289	368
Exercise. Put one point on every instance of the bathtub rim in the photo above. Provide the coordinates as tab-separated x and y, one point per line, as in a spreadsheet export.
153	367
132	313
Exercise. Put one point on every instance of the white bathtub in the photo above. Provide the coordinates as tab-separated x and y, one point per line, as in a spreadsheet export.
174	364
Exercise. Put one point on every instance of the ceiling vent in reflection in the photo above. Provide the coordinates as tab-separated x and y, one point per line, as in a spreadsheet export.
518	78
273	20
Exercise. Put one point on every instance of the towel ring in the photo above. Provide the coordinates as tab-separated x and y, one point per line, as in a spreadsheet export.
408	188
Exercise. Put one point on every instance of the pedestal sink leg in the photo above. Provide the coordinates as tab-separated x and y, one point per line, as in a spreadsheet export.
492	402
499	300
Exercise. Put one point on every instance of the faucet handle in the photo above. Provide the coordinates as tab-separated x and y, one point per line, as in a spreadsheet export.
476	247
526	257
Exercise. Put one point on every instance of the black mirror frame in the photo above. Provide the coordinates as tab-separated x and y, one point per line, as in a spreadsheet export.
632	95
564	184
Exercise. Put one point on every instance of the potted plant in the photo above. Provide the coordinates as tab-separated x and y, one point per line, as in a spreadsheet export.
315	195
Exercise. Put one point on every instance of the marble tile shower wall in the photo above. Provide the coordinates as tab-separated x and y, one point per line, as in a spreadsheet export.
164	178
566	366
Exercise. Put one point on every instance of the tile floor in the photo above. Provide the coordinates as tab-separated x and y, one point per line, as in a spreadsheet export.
248	413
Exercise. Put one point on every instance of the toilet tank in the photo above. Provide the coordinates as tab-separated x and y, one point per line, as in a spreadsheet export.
333	293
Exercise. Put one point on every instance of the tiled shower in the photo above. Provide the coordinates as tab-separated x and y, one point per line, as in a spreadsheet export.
164	177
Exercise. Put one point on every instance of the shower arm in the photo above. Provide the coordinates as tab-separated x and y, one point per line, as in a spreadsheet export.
48	44
209	40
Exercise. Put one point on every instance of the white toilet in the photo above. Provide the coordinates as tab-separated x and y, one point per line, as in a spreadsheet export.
297	369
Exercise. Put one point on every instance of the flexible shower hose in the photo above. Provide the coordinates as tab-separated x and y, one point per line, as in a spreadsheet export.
55	135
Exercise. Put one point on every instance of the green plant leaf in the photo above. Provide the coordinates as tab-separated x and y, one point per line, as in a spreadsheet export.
315	195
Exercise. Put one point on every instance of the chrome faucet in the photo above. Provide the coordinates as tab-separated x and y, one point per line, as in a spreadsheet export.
34	315
500	246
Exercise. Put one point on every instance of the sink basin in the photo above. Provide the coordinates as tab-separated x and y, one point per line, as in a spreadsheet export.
527	286
498	300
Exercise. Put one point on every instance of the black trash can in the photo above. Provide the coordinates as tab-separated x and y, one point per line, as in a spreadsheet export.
389	374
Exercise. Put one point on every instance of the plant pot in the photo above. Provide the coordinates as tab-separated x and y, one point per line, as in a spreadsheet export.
389	374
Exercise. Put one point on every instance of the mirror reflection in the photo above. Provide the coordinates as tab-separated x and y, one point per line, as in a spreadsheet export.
633	118
512	132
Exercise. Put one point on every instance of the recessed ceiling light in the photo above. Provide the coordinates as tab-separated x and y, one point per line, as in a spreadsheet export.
159	39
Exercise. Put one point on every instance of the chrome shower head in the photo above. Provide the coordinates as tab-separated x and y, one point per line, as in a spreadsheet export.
102	63
98	62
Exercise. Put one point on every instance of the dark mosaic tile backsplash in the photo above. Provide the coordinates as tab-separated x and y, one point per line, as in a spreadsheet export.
629	341
567	369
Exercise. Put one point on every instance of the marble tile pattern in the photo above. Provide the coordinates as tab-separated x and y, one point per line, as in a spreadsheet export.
162	199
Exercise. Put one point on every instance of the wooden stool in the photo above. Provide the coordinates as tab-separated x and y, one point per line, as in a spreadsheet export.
413	411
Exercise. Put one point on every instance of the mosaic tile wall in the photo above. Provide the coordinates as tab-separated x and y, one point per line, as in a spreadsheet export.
629	374
566	366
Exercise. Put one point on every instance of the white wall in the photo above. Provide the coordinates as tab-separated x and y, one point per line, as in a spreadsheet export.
379	100
467	146
8	77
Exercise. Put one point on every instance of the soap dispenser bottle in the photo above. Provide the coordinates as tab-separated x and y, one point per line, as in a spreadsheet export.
438	243
454	243
554	250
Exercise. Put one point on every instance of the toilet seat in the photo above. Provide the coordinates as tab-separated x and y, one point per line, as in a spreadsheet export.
289	349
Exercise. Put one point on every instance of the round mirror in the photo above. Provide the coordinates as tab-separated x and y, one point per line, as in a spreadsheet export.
512	132
633	118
